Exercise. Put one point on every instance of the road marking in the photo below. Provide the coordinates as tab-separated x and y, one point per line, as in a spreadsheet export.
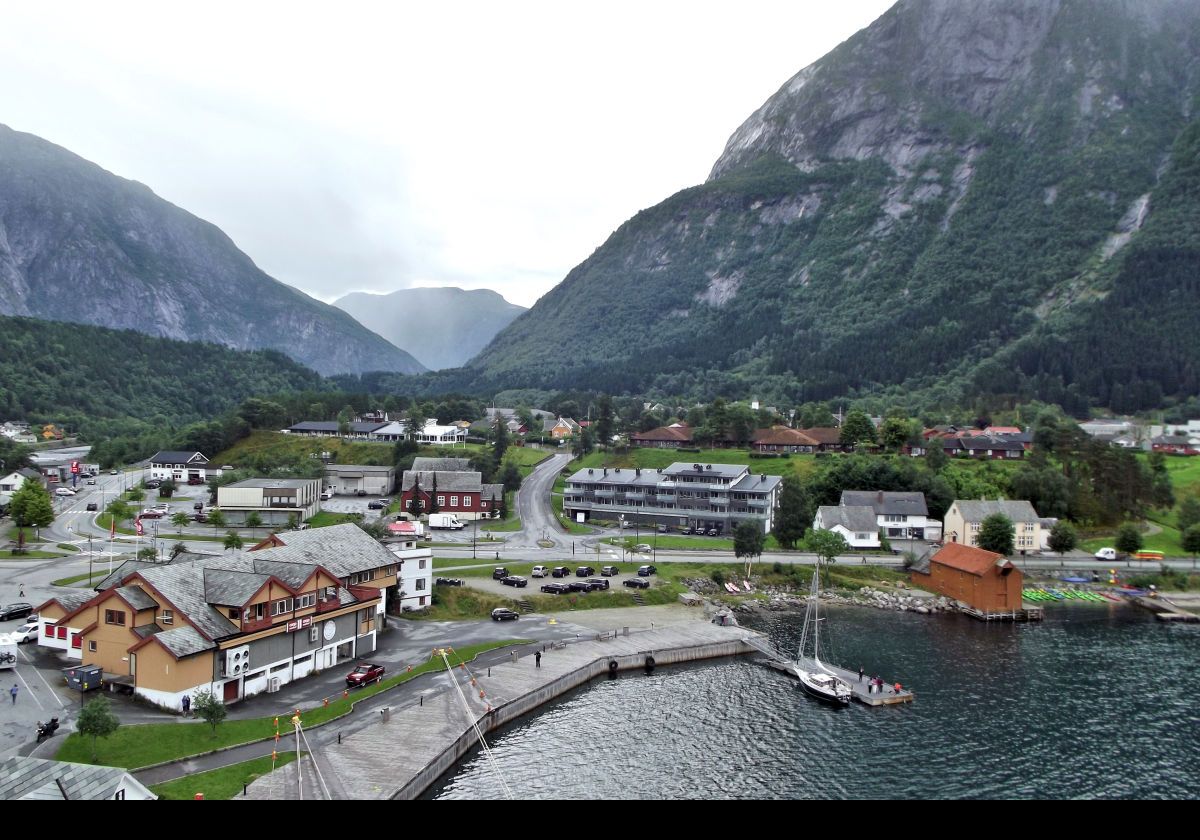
49	688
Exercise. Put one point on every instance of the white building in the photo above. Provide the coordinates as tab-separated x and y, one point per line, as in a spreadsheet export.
856	524
414	572
433	434
180	467
900	515
275	500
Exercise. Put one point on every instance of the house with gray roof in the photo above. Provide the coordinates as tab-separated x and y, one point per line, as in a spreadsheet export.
23	777
235	624
359	479
965	518
461	492
856	524
275	500
683	495
180	467
901	515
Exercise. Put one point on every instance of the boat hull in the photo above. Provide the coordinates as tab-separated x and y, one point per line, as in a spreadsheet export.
818	693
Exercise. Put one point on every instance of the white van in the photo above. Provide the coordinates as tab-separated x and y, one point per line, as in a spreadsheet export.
1106	554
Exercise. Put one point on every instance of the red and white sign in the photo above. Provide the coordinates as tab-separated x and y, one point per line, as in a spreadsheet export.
75	467
299	624
137	525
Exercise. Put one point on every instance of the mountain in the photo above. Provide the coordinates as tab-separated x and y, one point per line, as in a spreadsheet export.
988	197
443	328
82	245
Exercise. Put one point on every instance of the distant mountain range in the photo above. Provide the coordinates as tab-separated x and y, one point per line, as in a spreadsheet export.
80	244
968	197
441	327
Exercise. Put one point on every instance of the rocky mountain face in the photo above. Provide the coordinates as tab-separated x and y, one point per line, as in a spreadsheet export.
442	327
80	244
967	197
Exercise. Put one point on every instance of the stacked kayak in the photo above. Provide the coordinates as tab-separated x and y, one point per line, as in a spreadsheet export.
1050	595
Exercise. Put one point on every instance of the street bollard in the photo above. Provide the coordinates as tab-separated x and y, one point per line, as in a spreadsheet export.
386	713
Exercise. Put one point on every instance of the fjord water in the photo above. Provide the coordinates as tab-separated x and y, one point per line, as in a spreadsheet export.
1095	702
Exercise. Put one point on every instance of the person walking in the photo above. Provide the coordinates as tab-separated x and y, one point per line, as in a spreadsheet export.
13	692
537	658
22	593
186	702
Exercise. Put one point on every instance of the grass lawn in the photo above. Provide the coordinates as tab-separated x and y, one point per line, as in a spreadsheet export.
224	783
281	448
29	555
141	746
70	581
68	547
327	517
571	526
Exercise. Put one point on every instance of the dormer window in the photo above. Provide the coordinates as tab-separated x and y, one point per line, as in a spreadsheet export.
235	614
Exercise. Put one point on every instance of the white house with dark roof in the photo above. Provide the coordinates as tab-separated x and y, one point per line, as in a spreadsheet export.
855	523
901	515
180	467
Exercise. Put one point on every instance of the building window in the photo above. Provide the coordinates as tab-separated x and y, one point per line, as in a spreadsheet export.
91	647
307	600
235	614
420	584
421	601
408	504
76	641
133	664
60	632
281	607
167	617
454	501
421	565
116	617
441	501
258	612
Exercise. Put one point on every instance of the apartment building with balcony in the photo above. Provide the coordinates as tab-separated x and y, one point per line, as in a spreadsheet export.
683	495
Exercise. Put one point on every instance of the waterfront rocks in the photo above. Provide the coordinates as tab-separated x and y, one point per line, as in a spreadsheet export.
906	600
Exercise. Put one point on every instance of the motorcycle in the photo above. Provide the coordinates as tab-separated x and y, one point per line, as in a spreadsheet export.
46	730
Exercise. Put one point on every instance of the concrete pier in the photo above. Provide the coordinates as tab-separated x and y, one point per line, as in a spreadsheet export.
408	749
887	697
1164	610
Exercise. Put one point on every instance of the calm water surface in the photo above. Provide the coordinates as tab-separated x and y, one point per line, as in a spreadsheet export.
1095	702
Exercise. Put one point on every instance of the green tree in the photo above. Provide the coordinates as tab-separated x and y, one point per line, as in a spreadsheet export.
146	554
791	520
119	510
500	438
1129	539
857	429
827	545
177	549
1062	537
293	521
1189	513
30	506
97	720
935	456
604	424
209	709
233	541
167	489
179	519
896	431
583	443
253	520
997	534
1191	540
434	507
748	541
216	519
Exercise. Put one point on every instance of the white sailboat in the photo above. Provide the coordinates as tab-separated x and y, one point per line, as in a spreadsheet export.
815	678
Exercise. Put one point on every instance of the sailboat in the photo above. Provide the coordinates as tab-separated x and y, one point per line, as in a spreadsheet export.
815	678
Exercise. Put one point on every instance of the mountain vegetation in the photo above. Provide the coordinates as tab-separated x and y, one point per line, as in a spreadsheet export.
80	244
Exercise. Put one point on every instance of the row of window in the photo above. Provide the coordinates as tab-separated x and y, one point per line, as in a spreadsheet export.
441	501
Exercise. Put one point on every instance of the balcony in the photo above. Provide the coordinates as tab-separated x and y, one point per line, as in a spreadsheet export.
757	503
638	496
605	494
666	498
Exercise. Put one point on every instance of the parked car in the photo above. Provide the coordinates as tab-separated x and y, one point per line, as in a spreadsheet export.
585	571
375	506
114	472
199	516
609	571
326	495
556	588
713	532
195	481
625	524
93	506
448	582
560	571
26	633
154	484
1106	554
18	610
579	586
636	583
643	548
598	583
539	571
63	491
162	507
151	513
646	571
198	506
91	481
662	529
504	614
515	580
364	674
499	573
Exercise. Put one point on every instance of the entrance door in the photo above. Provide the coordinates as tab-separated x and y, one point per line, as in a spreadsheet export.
231	691
328	657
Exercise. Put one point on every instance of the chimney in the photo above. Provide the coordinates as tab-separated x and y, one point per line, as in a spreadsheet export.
879	497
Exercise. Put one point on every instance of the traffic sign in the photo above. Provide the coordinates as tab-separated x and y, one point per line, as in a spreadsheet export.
75	467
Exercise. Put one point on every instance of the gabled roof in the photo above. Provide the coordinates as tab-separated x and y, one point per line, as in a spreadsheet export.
492	491
977	511
441	465
69	599
136	597
22	777
332	426
462	482
361	468
971	560
231	589
168	456
977	442
341	549
858	519
887	502
824	435
183	641
782	436
676	433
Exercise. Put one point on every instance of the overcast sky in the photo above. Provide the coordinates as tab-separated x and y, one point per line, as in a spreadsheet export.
374	147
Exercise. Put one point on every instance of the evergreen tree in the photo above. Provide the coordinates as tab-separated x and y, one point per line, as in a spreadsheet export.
434	507
583	443
167	489
791	520
935	456
997	534
604	424
500	441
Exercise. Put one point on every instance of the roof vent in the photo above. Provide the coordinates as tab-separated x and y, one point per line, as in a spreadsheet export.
637	471
697	468
616	469
606	470
660	469
591	471
708	466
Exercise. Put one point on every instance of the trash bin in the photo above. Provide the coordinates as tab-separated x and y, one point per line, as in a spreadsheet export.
386	713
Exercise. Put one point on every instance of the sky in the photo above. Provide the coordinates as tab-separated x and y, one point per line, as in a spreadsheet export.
394	145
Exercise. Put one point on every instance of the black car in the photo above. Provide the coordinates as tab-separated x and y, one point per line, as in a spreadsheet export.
685	530
499	573
153	484
585	571
515	580
375	506
504	614
10	611
579	586
448	582
560	571
92	506
556	588
637	583
713	532
646	571
598	583
609	571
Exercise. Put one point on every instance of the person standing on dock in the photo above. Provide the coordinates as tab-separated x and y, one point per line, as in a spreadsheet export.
860	673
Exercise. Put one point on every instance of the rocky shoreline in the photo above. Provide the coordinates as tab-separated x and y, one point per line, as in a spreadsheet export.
904	599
